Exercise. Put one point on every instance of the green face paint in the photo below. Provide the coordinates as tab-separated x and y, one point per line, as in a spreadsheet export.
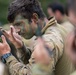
25	27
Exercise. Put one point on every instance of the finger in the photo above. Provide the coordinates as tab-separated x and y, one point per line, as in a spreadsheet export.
12	32
5	33
3	39
12	28
17	36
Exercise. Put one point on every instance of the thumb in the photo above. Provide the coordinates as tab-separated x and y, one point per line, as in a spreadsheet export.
3	39
12	29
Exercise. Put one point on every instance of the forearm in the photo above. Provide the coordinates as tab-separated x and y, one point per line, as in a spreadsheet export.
15	67
43	69
24	54
54	49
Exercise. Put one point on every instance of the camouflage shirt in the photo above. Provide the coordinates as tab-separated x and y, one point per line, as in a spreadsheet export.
54	36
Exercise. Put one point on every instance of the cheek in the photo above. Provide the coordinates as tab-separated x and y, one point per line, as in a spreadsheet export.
27	28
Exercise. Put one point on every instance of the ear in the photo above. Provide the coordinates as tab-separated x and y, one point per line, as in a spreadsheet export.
35	17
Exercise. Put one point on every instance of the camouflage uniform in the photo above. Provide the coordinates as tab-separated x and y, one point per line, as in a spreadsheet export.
54	36
29	42
68	26
74	73
63	20
3	67
63	65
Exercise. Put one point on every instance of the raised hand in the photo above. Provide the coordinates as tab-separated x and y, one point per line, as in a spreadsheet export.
14	37
70	47
40	53
4	47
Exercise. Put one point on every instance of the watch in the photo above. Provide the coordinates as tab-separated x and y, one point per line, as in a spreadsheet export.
5	56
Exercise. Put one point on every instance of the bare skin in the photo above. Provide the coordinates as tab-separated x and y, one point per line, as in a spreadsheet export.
71	47
39	50
4	47
13	37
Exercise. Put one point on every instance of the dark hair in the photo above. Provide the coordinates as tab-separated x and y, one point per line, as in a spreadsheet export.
25	8
71	5
57	6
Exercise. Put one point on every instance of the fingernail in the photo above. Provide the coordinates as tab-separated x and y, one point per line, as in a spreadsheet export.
2	36
11	26
2	30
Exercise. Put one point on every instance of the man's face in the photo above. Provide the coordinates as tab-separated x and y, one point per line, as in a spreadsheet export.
24	27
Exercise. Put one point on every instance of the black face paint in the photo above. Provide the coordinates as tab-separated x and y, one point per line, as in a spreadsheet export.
38	31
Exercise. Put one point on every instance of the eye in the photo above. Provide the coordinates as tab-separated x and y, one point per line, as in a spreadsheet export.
17	24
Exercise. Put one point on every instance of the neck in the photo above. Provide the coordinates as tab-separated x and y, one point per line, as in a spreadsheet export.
40	26
43	22
61	19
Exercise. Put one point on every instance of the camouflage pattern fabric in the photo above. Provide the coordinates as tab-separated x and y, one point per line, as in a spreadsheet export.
74	73
54	36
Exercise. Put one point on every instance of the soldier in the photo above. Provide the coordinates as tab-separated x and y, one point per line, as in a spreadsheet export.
54	35
57	9
71	45
70	12
70	24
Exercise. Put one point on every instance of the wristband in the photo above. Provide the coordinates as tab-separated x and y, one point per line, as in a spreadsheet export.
5	56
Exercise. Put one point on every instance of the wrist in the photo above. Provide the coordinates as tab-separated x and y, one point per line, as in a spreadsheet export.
20	45
5	56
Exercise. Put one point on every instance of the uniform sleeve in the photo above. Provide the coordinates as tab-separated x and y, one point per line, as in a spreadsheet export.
42	69
17	68
74	73
55	42
23	54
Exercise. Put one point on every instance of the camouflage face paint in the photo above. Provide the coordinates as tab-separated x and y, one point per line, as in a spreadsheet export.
25	27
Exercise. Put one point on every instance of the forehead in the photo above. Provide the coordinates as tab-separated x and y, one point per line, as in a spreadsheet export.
19	20
19	17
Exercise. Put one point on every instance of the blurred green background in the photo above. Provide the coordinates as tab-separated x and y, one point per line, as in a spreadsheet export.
4	8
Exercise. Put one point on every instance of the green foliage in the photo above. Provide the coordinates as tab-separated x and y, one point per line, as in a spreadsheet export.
4	8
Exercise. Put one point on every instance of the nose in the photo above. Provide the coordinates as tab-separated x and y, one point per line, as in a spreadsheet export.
17	29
